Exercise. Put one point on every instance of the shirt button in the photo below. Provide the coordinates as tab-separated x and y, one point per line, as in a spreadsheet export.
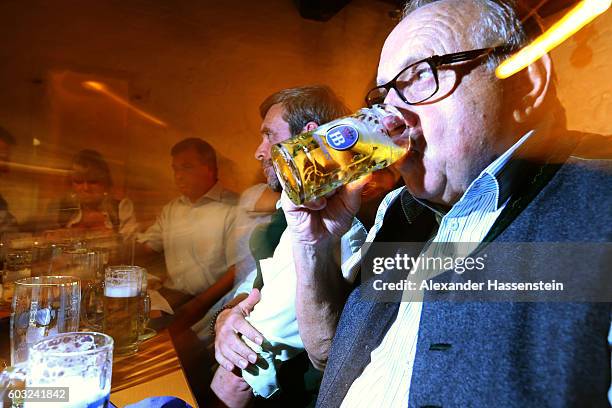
454	225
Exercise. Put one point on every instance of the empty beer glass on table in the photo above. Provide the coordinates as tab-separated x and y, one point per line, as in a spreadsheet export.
17	265
46	256
126	306
87	265
83	263
78	367
42	306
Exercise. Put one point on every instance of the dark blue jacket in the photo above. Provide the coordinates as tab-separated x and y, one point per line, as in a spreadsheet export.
477	354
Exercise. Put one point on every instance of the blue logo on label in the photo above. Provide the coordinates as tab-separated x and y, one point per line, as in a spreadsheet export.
342	137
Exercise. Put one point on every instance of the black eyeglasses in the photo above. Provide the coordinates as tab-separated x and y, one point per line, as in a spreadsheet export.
418	82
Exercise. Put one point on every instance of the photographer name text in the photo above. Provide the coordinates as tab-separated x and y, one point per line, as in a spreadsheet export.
491	285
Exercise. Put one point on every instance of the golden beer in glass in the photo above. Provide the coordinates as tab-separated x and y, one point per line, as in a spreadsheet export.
124	306
315	163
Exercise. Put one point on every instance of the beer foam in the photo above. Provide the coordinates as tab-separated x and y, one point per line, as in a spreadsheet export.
121	291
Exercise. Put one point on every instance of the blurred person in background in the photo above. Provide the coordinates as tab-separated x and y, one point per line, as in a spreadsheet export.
91	210
257	204
8	223
195	232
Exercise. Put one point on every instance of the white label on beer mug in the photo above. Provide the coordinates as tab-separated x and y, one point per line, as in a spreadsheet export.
125	290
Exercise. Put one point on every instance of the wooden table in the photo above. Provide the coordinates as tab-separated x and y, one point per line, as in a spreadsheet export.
154	370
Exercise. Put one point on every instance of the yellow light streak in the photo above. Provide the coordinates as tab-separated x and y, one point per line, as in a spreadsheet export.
103	89
34	169
96	86
574	20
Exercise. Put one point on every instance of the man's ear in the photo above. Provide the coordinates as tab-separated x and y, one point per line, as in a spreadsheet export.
310	126
537	77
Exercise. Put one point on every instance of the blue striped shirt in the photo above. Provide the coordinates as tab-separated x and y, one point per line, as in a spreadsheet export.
386	380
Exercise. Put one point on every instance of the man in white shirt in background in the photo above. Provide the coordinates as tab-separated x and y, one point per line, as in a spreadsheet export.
194	231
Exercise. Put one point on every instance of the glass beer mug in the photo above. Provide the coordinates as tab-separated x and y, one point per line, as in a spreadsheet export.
315	163
42	306
87	265
17	265
126	306
77	365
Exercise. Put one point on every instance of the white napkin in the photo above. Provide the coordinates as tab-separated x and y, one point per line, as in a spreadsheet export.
158	302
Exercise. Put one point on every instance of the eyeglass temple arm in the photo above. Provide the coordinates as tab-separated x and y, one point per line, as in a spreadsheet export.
461	56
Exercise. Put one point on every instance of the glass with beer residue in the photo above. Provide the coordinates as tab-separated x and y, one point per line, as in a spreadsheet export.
69	370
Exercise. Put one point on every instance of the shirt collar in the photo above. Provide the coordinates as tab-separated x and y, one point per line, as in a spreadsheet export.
213	194
495	168
500	175
503	171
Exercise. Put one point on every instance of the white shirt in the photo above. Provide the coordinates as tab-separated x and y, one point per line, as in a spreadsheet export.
386	380
246	221
275	315
196	239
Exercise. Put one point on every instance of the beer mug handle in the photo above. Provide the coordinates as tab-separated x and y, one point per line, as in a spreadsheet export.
90	299
146	310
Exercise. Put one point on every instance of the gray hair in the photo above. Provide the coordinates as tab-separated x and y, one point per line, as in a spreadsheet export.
499	24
